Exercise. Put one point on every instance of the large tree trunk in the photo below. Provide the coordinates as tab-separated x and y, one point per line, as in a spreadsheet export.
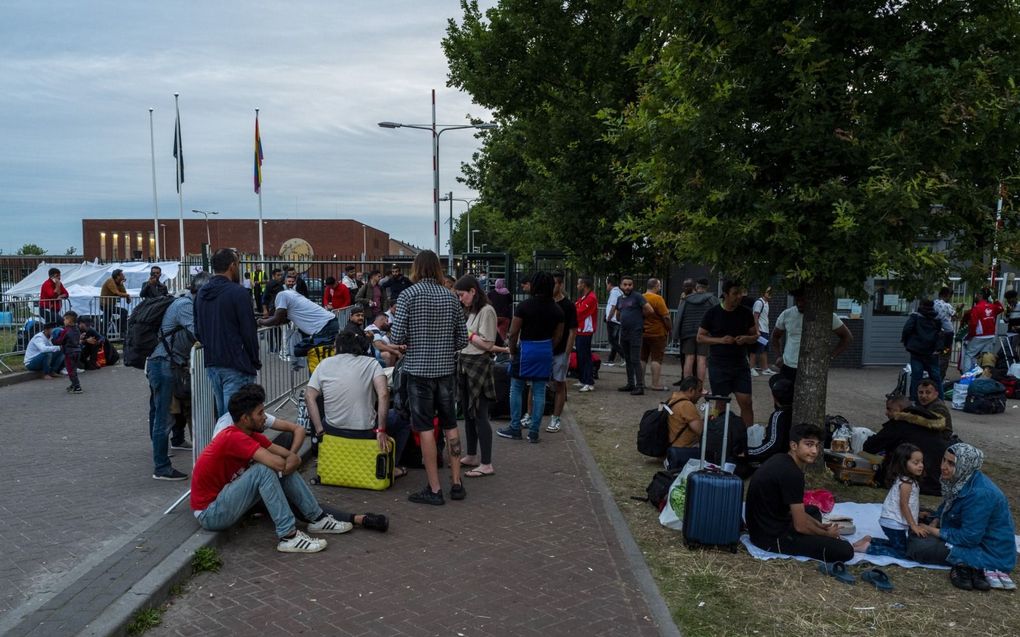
815	355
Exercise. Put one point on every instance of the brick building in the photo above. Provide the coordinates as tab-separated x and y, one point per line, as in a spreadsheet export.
127	239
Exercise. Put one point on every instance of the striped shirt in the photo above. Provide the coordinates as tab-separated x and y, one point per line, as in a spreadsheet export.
430	321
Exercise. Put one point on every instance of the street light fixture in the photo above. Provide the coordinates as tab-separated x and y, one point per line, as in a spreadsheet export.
208	239
437	131
474	242
469	202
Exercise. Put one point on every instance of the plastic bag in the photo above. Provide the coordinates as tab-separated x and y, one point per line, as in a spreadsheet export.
860	435
960	395
672	513
820	498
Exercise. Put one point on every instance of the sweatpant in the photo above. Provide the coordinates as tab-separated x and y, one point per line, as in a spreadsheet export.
630	343
71	365
816	547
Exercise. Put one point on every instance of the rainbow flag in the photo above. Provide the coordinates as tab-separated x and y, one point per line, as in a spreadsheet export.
258	157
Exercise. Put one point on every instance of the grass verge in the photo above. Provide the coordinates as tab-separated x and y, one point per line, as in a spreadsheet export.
716	594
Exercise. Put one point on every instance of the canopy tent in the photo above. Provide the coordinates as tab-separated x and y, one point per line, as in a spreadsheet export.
84	282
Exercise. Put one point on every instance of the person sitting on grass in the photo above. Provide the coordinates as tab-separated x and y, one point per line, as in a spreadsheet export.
928	397
777	431
902	505
972	530
915	425
241	465
42	356
685	424
777	519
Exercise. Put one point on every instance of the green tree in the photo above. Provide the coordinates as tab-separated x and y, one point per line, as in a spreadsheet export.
31	249
824	142
70	251
545	70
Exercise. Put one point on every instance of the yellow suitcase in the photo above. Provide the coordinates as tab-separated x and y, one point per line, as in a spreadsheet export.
318	354
351	458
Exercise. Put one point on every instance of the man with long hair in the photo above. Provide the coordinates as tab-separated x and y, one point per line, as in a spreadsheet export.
430	325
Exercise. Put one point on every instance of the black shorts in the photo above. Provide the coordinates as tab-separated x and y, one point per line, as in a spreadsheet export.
727	379
430	398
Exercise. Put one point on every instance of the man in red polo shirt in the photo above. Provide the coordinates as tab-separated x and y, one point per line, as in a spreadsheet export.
587	306
241	465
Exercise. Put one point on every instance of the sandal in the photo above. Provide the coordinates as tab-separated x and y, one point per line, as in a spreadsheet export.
476	473
878	578
468	464
399	472
837	570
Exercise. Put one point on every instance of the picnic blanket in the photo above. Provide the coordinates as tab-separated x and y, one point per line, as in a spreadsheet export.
865	518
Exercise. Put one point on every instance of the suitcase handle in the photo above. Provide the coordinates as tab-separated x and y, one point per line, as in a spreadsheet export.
726	430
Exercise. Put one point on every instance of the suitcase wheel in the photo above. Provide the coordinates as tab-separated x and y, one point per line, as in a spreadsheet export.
733	549
315	480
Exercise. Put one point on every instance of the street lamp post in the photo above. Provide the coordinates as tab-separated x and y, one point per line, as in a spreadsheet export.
474	242
437	131
206	213
451	198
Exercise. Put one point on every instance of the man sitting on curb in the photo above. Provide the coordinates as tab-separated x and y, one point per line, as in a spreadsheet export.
292	437
42	356
241	465
777	519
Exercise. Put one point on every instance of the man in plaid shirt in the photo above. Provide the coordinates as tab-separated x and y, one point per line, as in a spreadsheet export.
430	326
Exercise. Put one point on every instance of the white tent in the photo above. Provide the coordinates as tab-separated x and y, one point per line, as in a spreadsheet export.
85	281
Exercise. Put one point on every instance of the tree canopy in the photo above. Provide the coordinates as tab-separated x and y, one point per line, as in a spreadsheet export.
31	249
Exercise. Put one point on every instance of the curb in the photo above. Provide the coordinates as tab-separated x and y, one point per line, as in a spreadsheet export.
635	558
14	378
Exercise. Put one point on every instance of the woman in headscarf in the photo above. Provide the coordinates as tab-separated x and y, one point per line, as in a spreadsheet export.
972	530
502	302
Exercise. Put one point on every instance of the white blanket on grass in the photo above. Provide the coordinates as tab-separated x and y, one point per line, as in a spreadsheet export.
865	518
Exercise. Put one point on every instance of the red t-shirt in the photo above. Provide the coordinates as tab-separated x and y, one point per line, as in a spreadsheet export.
222	462
982	319
337	297
49	292
586	307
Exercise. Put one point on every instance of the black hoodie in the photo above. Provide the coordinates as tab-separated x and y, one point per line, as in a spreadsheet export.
225	325
921	332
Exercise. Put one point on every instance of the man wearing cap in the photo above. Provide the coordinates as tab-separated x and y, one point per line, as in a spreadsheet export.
42	356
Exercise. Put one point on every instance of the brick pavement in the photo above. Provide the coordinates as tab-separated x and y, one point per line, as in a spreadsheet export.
531	551
77	471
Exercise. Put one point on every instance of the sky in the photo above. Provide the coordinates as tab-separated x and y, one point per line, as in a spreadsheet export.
78	80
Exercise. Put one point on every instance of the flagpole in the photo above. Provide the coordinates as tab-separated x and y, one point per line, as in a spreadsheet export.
155	204
180	176
258	142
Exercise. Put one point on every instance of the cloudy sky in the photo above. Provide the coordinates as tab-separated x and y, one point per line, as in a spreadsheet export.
78	79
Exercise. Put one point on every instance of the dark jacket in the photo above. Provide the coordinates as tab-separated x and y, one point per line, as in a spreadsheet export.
921	427
395	285
225	325
777	437
690	312
153	290
922	332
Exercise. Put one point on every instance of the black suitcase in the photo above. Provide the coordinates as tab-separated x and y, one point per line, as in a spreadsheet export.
714	499
499	409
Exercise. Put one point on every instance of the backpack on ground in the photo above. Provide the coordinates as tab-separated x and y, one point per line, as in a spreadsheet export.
142	334
653	430
658	488
985	396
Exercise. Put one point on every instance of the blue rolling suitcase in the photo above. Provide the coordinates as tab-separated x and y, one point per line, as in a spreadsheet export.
712	509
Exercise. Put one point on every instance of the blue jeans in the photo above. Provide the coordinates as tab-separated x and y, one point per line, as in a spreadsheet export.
259	481
517	388
584	366
225	382
921	364
161	384
46	363
894	546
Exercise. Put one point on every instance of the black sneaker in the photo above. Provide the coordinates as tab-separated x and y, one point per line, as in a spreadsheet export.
375	522
184	445
625	388
507	432
533	437
174	475
959	576
77	390
638	391
978	580
457	492
427	496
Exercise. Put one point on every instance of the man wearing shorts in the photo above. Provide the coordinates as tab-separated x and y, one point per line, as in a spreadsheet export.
728	329
688	319
656	334
430	324
561	351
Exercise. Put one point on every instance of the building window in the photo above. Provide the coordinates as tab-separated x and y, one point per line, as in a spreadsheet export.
116	247
152	244
102	246
138	245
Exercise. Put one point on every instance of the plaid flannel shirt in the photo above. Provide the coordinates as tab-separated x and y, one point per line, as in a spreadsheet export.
430	321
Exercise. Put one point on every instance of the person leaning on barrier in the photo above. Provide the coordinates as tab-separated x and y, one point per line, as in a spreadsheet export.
309	317
51	296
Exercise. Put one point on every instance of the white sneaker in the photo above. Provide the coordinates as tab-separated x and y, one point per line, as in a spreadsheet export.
768	372
329	524
525	421
754	372
608	364
993	579
300	543
587	387
1004	579
554	425
578	384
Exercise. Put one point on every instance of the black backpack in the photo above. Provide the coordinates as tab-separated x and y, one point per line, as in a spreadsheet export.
142	334
658	488
653	431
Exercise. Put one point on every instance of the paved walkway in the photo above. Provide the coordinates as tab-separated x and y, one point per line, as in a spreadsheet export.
531	551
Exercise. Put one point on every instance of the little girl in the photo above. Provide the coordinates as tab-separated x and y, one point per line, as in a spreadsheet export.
901	507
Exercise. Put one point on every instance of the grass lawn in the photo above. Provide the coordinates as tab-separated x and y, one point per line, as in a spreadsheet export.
715	593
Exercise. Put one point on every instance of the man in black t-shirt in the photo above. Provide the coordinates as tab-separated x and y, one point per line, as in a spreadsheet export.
728	329
561	351
631	309
776	517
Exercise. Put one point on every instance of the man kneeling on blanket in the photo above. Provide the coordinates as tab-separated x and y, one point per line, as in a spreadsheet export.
241	465
777	519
